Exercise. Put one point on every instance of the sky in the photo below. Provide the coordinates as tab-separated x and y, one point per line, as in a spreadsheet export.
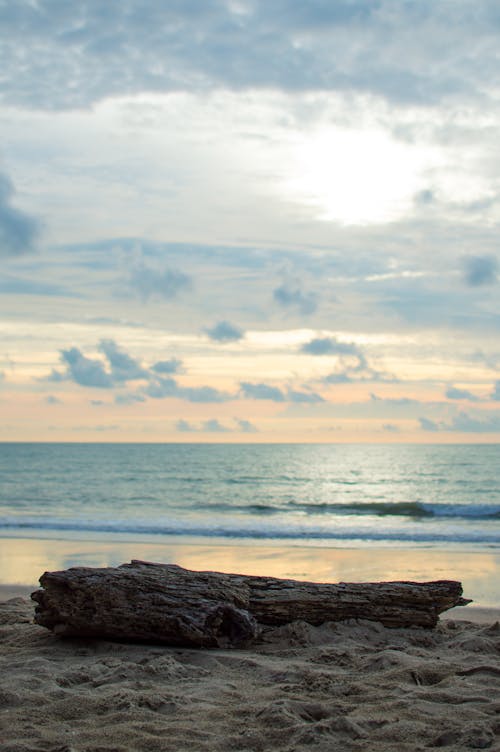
251	221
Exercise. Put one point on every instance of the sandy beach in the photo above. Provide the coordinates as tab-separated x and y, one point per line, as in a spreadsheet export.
349	686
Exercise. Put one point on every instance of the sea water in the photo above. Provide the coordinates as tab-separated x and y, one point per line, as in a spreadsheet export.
308	494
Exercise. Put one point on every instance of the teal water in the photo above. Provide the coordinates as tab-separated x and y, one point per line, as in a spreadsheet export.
389	495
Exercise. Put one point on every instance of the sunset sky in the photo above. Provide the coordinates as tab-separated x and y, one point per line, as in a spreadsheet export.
250	220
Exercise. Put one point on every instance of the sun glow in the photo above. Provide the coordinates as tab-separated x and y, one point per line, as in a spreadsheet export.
357	176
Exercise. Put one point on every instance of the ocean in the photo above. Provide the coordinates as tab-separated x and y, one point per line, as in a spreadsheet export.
358	496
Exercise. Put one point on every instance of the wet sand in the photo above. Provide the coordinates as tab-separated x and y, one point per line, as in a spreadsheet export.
23	560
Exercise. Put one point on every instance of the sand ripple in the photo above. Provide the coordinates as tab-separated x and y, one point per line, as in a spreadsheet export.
349	686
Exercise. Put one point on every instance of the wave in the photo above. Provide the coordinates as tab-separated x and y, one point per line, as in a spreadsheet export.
235	531
413	509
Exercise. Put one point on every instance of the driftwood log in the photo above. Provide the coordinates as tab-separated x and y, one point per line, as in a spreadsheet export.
163	603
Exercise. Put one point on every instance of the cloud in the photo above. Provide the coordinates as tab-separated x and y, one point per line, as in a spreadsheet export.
338	378
409	52
261	392
160	388
184	427
490	360
396	401
293	297
123	367
465	423
495	395
12	285
428	425
203	394
213	425
480	270
209	426
223	331
167	366
50	399
120	368
304	398
18	230
352	364
455	393
330	346
167	284
129	399
84	371
93	373
245	426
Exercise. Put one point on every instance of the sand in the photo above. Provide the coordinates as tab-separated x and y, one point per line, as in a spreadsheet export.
349	686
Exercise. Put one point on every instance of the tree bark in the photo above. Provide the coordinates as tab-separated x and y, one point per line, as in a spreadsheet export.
164	603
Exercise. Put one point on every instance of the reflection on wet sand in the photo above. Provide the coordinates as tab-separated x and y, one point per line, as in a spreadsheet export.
22	561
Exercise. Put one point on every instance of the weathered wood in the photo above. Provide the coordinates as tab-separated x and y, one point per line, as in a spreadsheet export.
164	603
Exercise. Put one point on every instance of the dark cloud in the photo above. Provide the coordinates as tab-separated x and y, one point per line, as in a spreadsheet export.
455	393
428	425
18	230
330	346
161	388
203	394
167	284
120	368
223	331
57	55
351	365
294	297
261	392
303	398
214	426
123	367
173	365
480	270
274	394
82	370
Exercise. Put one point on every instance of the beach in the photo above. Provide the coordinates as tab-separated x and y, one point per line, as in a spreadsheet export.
353	685
322	515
